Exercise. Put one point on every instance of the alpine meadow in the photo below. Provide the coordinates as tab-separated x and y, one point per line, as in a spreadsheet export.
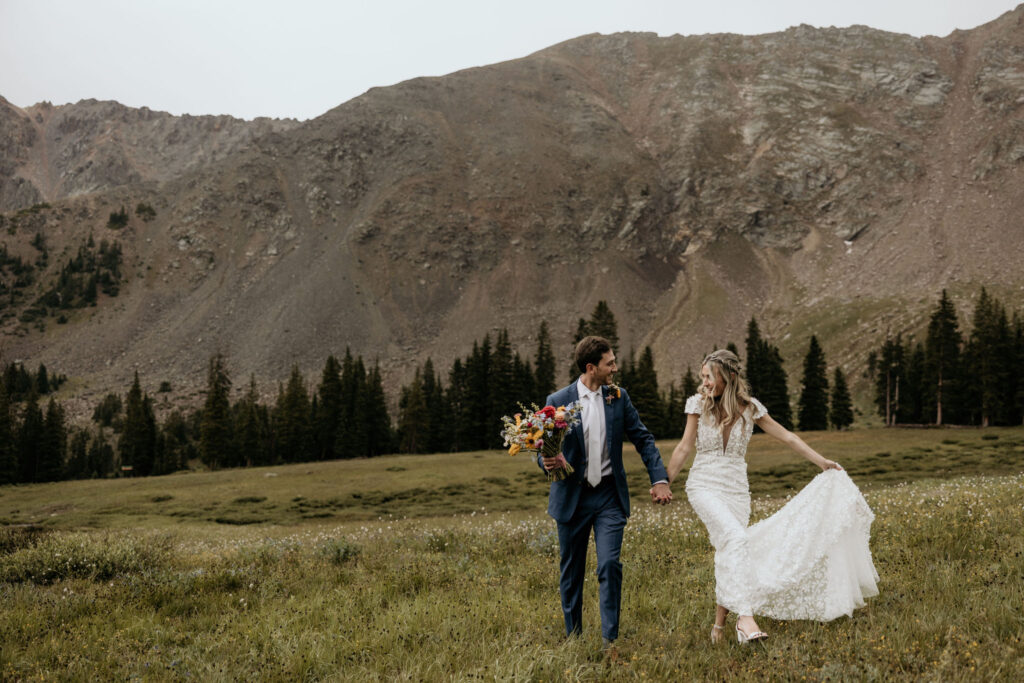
254	374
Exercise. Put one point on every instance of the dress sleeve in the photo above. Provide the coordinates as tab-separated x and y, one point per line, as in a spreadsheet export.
693	405
759	409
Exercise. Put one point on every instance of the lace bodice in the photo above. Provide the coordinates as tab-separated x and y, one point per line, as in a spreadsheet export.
710	438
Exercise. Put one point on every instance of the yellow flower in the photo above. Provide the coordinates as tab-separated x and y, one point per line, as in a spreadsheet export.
514	448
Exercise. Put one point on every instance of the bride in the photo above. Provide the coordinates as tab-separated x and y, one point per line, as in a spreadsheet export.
810	560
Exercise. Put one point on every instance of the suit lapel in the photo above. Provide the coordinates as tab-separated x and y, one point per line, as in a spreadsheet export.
609	413
577	430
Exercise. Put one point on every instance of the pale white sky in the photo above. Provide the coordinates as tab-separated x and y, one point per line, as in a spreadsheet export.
299	58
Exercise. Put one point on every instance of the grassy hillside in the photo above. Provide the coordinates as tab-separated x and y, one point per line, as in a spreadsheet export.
465	586
451	484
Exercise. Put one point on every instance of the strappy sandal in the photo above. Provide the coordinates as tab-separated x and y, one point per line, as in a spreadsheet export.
717	634
744	638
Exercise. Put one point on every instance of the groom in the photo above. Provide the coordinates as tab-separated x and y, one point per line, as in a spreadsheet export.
595	495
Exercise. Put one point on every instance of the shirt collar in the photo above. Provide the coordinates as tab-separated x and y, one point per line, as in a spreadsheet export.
583	390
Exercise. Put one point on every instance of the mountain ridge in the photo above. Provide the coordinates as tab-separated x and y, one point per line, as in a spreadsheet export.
842	176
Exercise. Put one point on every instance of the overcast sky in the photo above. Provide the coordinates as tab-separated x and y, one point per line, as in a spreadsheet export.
299	58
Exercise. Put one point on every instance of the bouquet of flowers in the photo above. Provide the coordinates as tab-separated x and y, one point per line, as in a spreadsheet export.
541	430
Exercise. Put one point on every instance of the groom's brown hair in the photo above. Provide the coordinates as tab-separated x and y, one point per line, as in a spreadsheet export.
591	350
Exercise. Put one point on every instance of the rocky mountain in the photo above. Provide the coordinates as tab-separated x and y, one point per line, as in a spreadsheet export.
826	180
49	153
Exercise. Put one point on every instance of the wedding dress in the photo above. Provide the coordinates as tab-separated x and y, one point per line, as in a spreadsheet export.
810	560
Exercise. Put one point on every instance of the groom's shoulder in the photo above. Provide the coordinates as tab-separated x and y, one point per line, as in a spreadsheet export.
563	391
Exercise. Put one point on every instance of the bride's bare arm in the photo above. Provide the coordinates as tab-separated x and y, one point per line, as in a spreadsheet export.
684	449
787	437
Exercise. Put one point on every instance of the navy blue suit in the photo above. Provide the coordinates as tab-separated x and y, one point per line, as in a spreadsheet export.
577	507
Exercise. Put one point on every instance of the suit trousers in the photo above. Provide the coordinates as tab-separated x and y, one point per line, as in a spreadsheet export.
599	510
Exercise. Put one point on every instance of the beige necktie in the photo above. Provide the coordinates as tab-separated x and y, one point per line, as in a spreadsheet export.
594	440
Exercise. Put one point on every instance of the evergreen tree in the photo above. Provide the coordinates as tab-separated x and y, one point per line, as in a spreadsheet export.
755	362
251	429
358	434
42	380
178	442
690	384
775	391
8	454
329	409
54	446
889	372
293	426
437	435
524	390
942	361
675	412
1017	374
841	413
30	438
989	350
351	440
378	423
643	392
582	330
544	361
913	391
456	399
108	410
814	390
78	455
413	418
216	437
138	442
101	456
602	324
161	460
477	415
500	390
624	376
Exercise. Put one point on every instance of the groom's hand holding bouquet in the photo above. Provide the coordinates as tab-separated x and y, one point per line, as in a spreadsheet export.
541	431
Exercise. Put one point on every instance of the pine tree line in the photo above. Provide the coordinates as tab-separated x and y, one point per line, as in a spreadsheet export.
20	382
977	378
345	417
950	377
495	380
91	270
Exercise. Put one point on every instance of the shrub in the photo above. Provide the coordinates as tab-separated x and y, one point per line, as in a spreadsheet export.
80	556
13	538
118	219
250	499
339	551
145	212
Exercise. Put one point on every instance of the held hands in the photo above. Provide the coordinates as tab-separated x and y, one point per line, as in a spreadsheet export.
556	463
661	494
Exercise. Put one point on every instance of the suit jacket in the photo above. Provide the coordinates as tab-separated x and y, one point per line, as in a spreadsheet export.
621	419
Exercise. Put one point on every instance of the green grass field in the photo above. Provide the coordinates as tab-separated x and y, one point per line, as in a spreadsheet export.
444	567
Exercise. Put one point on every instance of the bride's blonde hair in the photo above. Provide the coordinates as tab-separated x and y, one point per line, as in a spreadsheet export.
735	398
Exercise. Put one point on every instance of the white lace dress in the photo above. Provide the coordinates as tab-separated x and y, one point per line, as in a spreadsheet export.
810	560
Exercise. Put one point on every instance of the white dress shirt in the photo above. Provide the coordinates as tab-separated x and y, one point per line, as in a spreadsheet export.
593	418
587	418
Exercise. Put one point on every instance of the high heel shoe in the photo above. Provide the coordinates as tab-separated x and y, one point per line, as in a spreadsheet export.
716	633
743	638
